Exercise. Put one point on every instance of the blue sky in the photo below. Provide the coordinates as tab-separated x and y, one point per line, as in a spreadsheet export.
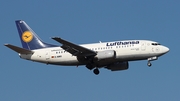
82	21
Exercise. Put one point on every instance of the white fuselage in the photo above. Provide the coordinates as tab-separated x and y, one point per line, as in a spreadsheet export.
144	49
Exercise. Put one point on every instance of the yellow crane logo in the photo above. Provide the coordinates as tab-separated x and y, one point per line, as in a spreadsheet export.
27	36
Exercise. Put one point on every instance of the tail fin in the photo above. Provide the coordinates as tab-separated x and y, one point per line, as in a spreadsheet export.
29	38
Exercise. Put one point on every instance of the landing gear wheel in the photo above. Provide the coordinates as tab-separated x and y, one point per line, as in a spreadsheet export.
149	64
96	71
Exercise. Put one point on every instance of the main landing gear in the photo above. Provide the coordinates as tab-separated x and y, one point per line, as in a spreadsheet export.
96	71
90	67
151	59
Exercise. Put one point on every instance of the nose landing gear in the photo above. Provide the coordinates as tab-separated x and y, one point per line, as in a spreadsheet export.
151	59
149	64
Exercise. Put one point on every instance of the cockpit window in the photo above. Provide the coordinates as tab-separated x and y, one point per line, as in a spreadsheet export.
155	44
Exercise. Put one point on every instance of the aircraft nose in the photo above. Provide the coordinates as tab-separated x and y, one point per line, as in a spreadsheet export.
165	49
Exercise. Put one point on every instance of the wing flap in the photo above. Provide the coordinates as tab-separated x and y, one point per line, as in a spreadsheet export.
74	49
18	49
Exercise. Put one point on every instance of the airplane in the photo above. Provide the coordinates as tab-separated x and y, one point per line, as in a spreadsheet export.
114	56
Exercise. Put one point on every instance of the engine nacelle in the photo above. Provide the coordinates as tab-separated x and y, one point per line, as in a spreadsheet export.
108	54
118	66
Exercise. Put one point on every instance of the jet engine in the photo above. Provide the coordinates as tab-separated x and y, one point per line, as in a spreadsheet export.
118	66
108	54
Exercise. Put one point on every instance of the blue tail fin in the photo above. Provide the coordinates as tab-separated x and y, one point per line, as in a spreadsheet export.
29	38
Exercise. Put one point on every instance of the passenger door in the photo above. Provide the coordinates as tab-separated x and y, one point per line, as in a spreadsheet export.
47	55
143	46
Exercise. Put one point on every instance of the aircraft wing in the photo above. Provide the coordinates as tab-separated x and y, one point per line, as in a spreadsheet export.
74	49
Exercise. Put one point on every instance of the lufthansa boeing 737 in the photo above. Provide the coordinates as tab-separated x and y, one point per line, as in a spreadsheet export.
110	55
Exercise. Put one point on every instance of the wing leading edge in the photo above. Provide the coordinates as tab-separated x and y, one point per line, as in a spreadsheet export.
74	49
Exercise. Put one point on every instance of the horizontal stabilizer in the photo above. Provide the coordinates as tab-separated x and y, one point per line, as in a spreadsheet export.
18	49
